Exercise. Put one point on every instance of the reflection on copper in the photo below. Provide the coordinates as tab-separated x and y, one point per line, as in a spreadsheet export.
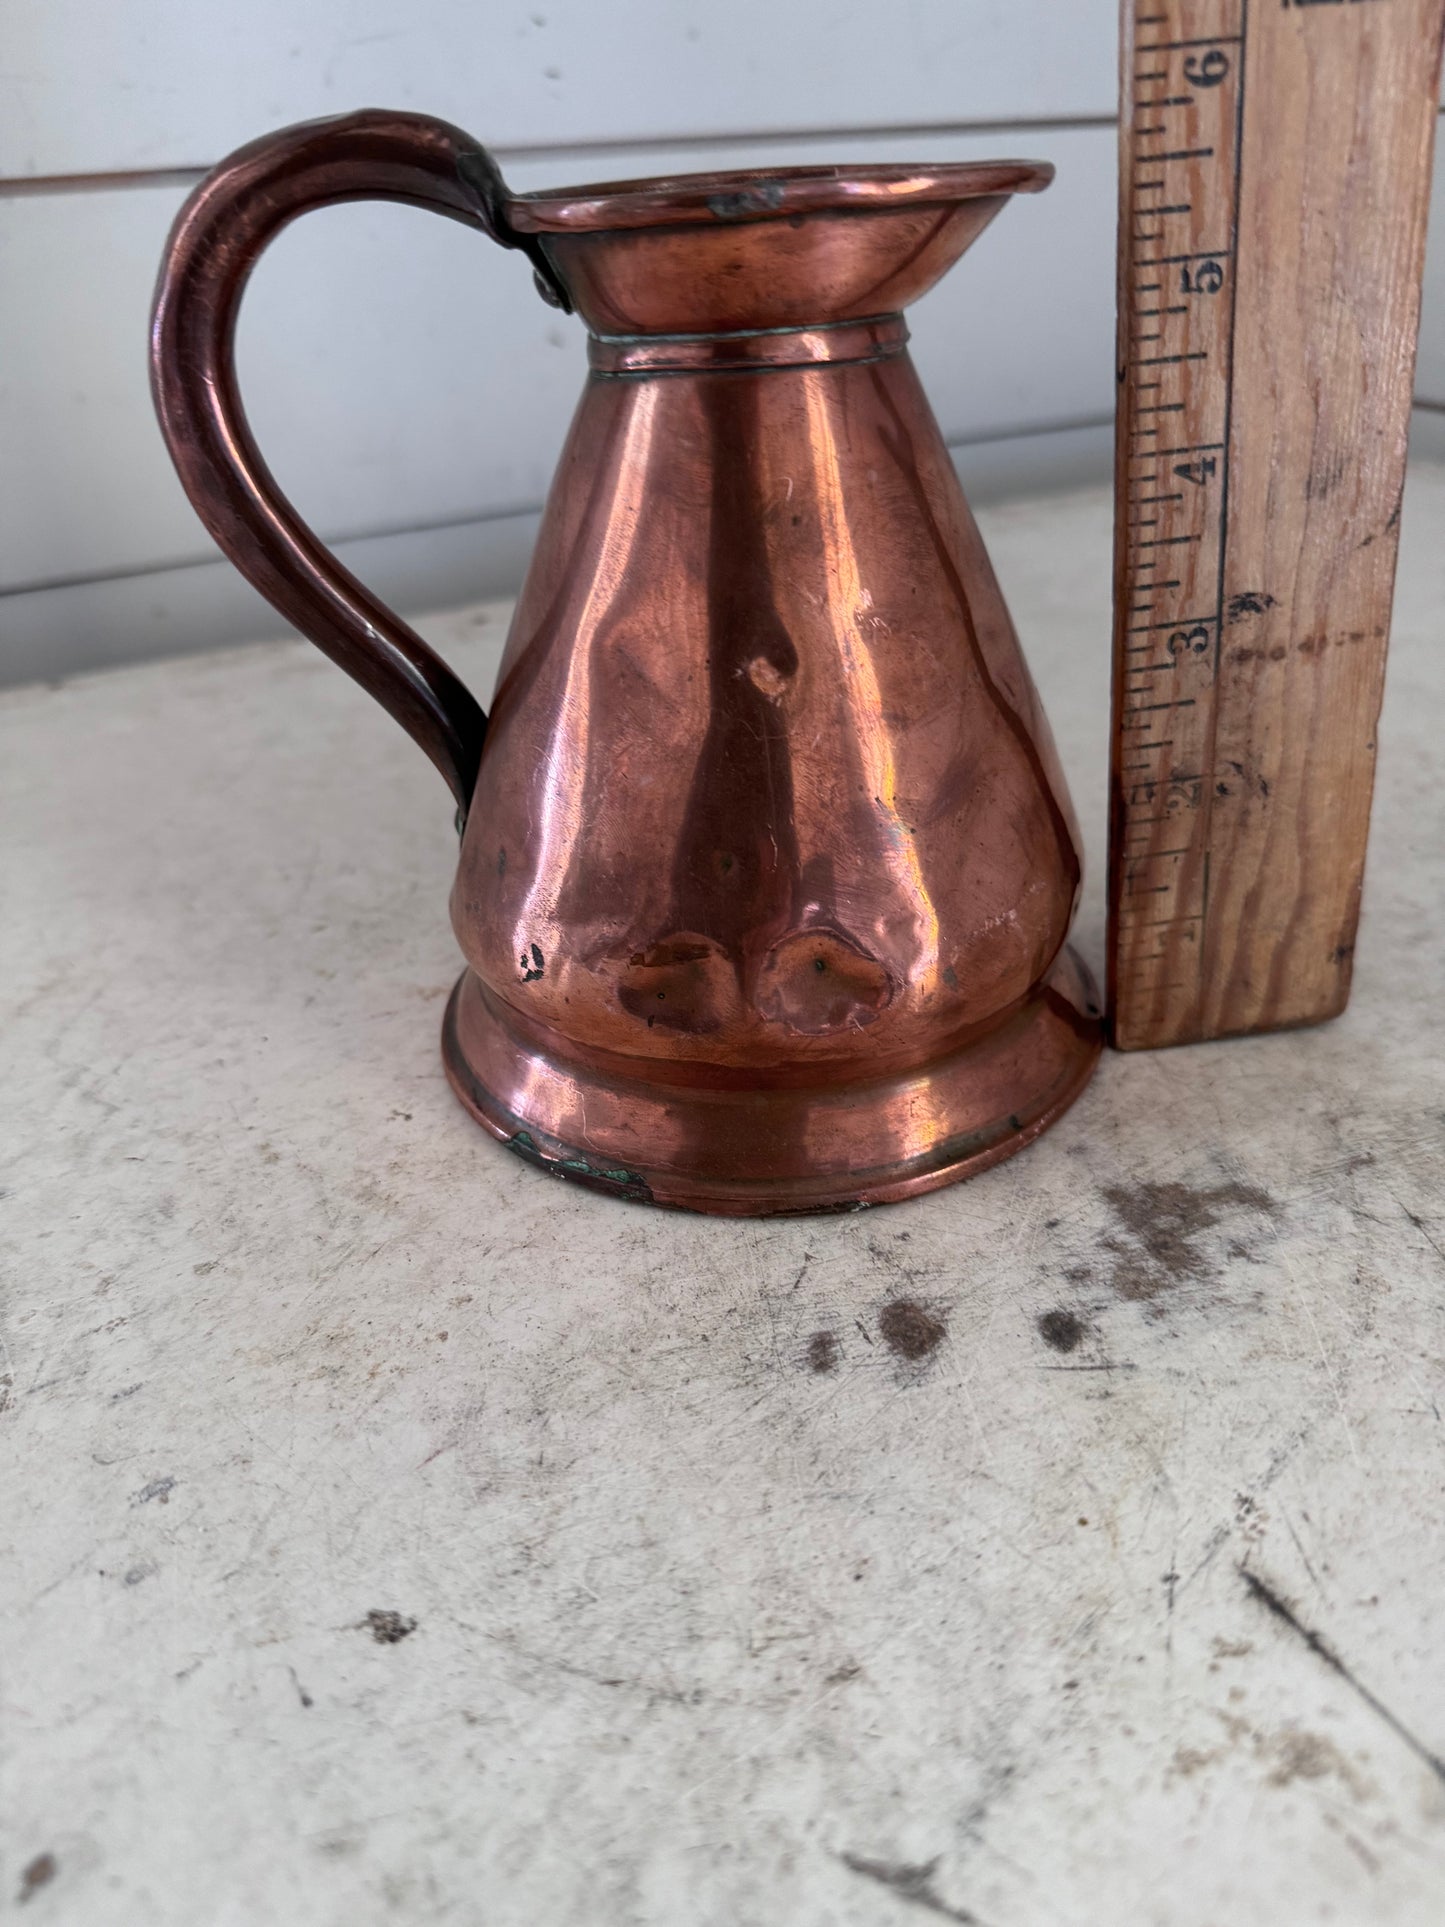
849	605
561	797
768	863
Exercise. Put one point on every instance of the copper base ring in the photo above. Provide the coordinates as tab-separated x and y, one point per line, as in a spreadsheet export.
760	1153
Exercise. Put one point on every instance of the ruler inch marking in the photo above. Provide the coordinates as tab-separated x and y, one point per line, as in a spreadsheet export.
1209	40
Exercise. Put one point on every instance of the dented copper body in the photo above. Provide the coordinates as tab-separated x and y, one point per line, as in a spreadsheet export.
768	863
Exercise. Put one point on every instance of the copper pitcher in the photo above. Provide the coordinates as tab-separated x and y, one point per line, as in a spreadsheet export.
767	861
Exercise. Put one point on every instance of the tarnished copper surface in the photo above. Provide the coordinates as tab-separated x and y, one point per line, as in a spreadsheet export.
749	195
769	863
755	347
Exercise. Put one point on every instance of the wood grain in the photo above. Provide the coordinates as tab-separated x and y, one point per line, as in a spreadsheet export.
1274	182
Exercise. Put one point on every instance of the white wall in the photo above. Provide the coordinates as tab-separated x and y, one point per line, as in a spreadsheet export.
409	389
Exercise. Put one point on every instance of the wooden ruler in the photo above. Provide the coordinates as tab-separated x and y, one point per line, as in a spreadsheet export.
1274	178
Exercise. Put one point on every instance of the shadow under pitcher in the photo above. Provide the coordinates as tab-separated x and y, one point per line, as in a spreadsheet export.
767	861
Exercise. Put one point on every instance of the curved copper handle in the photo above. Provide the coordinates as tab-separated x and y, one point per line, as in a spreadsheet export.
216	241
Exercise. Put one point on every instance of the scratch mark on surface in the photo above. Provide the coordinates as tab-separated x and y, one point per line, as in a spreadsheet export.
1299	1548
157	1489
1211	1547
1423	1229
1329	1370
1120	1365
899	1633
45	1591
914	1884
1277	1604
655	1692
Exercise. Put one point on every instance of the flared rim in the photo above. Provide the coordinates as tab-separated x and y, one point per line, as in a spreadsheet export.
759	194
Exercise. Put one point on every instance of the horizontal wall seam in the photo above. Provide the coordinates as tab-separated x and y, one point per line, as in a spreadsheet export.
479	518
475	518
16	186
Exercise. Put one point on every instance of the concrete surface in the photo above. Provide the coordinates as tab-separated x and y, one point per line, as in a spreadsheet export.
398	1535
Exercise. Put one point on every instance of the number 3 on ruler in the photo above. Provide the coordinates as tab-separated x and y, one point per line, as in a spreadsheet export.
1206	70
1188	642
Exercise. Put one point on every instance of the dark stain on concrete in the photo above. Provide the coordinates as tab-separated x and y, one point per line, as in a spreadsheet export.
1308	1756
909	1883
388	1628
1160	1226
1062	1330
39	1873
908	1330
823	1352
